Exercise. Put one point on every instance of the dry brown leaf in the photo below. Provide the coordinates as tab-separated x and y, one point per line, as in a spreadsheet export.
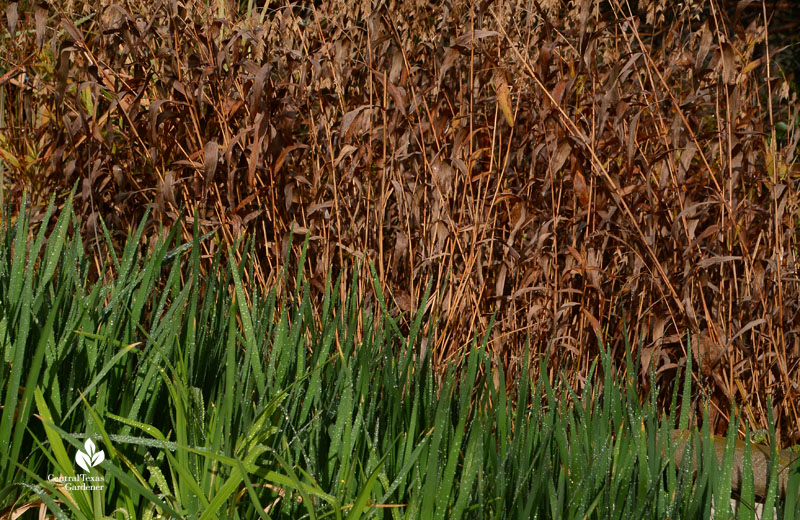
706	40
398	94
258	88
73	31
632	135
403	300
504	96
168	188
575	254
594	322
276	167
719	259
12	16
19	511
750	325
728	63
297	229
646	360
747	69
500	283
706	352
210	160
349	121
479	34
564	148
254	157
40	19
581	189
450	57
442	175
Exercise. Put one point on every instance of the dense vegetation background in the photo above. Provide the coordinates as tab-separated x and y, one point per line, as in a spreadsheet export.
573	168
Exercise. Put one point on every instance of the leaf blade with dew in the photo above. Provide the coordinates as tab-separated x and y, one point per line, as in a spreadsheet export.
25	404
748	497
409	462
228	406
223	494
170	446
56	243
185	482
190	326
344	414
129	252
415	326
453	455
791	505
472	463
64	465
12	385
724	481
36	246
262	513
188	482
18	258
103	371
51	504
175	253
382	302
290	478
357	511
147	280
247	324
772	480
112	252
687	387
440	436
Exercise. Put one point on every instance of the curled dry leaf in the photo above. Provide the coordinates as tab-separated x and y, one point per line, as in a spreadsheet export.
504	96
73	31
398	94
594	322
168	187
351	121
580	187
276	167
564	148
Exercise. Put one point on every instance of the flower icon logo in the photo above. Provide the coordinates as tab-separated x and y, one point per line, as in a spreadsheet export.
90	458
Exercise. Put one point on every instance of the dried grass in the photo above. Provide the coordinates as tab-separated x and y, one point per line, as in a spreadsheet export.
576	169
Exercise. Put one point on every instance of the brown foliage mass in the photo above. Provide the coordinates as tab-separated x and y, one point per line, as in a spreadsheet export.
577	168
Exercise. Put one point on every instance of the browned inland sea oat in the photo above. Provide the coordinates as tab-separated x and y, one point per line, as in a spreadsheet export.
574	169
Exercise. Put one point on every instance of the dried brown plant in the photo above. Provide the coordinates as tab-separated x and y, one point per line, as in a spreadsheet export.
577	169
